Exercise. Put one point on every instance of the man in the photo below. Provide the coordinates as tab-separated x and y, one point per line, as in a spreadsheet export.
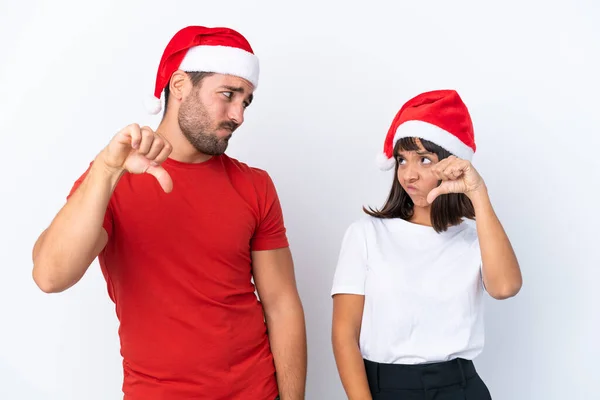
180	229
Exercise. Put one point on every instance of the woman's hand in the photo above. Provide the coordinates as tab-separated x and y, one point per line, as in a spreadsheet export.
456	176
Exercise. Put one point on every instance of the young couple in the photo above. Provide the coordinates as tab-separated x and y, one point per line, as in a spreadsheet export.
180	231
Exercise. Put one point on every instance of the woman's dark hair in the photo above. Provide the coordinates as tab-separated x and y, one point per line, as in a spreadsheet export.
446	210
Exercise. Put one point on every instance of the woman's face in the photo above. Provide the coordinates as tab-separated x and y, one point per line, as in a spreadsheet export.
414	173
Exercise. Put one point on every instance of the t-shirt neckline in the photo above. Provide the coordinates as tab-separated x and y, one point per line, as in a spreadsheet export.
425	228
187	165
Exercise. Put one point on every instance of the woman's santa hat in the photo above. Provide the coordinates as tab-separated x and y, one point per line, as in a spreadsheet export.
201	49
439	116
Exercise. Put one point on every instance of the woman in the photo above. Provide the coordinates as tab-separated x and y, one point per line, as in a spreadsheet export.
407	291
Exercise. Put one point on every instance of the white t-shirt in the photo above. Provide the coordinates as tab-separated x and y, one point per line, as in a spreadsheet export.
423	290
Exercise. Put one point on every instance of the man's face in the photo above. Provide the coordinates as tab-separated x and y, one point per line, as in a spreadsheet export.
213	110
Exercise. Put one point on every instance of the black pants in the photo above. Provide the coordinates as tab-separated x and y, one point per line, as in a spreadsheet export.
451	380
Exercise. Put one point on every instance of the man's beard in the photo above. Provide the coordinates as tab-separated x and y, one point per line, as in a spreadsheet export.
200	130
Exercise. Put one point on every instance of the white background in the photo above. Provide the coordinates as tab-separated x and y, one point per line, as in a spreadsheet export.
333	76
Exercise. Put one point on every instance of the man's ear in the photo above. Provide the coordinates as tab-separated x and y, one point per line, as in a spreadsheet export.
179	85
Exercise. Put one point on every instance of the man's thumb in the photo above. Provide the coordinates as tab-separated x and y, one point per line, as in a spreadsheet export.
162	176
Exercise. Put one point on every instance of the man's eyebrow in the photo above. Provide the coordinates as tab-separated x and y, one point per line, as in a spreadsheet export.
238	90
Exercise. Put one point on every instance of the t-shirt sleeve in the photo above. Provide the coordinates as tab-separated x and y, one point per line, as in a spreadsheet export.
271	232
351	271
108	216
475	253
473	240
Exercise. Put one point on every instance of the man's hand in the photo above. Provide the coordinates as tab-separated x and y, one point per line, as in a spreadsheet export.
137	151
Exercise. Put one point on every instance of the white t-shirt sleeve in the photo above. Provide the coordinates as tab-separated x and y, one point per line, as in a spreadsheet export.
477	254
351	270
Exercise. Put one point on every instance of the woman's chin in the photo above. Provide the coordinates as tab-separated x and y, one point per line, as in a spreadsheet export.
420	201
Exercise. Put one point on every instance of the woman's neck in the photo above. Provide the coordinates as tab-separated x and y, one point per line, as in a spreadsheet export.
421	216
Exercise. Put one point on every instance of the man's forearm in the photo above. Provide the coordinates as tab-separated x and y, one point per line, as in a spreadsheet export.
287	335
69	245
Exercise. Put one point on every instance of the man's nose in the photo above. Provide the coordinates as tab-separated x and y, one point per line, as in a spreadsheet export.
236	114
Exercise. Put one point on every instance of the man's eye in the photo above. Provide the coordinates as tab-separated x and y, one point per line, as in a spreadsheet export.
228	94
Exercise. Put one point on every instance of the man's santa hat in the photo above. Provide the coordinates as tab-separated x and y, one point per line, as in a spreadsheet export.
438	116
201	49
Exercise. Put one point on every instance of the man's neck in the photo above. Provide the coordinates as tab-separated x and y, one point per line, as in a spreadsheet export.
183	151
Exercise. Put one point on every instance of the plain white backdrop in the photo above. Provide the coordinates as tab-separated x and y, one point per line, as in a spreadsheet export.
333	74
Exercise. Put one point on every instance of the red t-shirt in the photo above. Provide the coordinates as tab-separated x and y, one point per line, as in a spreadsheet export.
178	268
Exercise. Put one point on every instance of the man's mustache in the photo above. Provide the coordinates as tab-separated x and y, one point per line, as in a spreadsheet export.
232	126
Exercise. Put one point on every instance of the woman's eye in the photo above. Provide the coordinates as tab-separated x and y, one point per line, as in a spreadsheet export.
426	160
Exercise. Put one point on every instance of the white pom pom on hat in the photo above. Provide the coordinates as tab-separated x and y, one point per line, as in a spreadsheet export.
384	163
152	105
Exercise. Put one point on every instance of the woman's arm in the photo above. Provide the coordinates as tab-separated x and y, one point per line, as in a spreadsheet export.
501	272
347	319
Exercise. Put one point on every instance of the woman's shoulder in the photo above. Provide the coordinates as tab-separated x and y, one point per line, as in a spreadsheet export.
360	227
369	228
366	223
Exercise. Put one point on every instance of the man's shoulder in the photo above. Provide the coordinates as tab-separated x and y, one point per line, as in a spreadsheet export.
252	172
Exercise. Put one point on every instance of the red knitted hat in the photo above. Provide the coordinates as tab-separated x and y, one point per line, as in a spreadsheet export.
201	49
439	116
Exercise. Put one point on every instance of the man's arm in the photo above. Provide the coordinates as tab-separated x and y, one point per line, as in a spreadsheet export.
276	285
64	251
